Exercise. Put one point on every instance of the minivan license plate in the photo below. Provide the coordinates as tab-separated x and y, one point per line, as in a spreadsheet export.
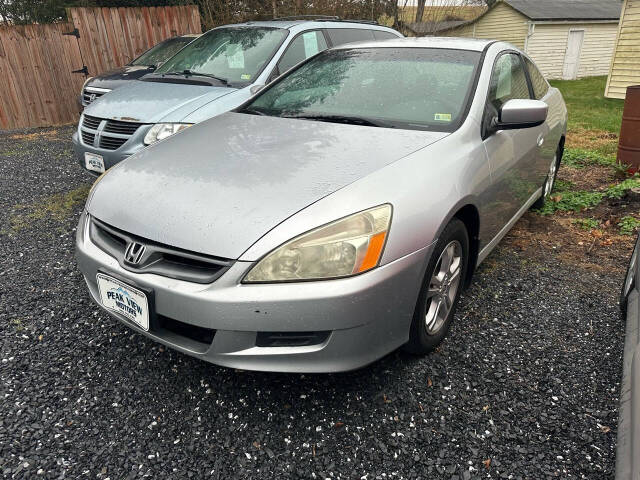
94	162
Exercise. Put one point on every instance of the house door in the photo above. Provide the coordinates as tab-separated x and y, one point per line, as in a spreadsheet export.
572	57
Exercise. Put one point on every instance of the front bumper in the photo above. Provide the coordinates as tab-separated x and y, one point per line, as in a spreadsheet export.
367	316
111	157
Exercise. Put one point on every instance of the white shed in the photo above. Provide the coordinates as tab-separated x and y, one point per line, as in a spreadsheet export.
568	39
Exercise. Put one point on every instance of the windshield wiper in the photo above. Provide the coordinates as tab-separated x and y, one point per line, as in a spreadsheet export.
341	119
253	111
208	75
187	73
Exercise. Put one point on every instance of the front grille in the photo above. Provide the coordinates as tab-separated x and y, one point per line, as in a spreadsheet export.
91	122
87	137
123	128
111	143
89	96
157	258
113	133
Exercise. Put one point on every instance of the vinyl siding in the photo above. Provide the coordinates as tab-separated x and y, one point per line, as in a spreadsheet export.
548	44
625	68
500	23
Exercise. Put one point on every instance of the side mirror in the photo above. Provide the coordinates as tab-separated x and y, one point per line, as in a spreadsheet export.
516	114
255	89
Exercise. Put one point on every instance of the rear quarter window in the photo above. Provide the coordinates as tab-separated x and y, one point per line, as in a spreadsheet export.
340	36
380	35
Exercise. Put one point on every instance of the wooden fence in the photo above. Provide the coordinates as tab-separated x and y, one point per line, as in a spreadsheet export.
111	37
37	86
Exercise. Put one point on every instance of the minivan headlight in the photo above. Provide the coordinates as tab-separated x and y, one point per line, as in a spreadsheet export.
160	131
346	247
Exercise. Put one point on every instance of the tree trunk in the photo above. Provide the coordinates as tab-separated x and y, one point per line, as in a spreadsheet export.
273	7
420	10
299	7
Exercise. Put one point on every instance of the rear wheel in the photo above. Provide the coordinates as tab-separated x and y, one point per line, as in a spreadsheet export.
550	181
629	280
441	290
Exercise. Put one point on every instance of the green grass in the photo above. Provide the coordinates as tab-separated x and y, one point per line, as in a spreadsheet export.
58	207
586	223
580	158
587	106
570	201
618	191
628	225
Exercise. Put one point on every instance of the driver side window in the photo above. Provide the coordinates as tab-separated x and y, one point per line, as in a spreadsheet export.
508	81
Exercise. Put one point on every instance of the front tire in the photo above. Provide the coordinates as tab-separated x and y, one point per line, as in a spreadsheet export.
440	290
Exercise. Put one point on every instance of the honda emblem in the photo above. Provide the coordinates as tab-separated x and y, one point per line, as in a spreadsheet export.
134	253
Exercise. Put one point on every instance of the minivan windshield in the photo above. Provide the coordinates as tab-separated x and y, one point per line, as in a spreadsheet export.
235	55
412	88
162	51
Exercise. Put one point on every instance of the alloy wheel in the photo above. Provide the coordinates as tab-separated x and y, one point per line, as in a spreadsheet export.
551	177
443	287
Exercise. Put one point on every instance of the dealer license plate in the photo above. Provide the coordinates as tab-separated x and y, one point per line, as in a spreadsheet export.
94	162
124	299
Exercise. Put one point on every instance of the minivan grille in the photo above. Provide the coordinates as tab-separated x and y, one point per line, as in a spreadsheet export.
124	128
89	95
113	133
109	143
87	138
91	122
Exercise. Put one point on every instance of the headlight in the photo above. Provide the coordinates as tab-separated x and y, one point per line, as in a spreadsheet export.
160	131
343	248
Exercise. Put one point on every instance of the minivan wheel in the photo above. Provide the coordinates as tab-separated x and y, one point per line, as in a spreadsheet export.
440	290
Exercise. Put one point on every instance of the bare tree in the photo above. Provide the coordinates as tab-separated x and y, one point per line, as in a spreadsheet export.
434	13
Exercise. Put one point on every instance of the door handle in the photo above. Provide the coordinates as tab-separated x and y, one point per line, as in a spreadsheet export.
541	140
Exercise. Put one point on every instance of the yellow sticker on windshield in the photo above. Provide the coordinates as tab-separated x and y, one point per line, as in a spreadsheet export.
245	76
442	117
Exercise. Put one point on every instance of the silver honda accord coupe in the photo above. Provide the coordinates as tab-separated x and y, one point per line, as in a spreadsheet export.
335	216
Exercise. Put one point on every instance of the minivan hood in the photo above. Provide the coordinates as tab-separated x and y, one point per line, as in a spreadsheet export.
118	77
152	102
217	187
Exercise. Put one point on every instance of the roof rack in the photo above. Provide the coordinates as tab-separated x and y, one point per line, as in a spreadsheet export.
325	18
309	17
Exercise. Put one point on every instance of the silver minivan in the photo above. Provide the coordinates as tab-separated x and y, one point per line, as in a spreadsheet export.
214	74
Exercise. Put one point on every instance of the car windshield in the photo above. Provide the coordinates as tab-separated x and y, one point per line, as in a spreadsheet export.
233	54
161	52
413	88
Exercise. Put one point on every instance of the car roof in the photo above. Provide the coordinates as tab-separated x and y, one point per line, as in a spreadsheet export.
311	23
454	43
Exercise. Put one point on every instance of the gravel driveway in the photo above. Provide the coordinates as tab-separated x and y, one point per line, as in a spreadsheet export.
526	386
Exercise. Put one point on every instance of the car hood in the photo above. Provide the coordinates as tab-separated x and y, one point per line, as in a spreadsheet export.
119	76
217	187
152	102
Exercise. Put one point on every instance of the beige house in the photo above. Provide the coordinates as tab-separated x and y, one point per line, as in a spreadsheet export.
567	39
625	66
